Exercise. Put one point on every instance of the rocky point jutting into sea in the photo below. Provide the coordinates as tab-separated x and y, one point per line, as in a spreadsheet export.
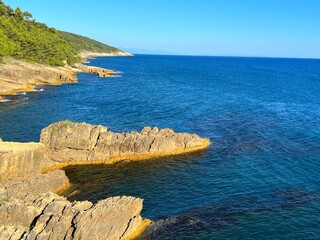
31	179
21	76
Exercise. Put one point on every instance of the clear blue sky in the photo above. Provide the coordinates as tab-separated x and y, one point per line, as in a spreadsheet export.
280	28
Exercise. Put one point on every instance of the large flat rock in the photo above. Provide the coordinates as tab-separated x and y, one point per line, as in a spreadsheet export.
73	143
29	207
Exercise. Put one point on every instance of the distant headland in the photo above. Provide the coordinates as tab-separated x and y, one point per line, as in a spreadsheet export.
32	53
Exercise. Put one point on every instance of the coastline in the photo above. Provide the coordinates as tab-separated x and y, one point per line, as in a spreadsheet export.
128	158
29	204
17	76
31	173
31	178
84	55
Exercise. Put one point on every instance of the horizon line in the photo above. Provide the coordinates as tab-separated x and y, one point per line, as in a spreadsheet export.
225	56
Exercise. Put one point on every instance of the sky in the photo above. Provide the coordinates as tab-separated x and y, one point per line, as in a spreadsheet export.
260	28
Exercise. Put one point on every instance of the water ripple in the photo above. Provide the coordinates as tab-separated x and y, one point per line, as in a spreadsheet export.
259	179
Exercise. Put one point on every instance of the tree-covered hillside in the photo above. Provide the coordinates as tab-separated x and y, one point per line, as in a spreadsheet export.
84	43
21	37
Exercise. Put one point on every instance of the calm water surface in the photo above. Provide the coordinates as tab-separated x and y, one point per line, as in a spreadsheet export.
260	178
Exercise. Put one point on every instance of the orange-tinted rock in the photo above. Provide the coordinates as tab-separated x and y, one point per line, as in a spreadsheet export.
69	142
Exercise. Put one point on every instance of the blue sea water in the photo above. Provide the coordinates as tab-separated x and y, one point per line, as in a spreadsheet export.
260	178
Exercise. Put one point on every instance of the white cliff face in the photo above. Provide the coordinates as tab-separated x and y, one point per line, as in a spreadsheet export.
87	54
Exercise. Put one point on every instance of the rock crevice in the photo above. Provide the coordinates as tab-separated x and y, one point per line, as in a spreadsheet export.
75	143
29	180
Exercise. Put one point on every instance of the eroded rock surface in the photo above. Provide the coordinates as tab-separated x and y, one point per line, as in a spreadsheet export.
101	72
50	216
29	207
21	76
22	159
18	197
27	189
81	142
30	210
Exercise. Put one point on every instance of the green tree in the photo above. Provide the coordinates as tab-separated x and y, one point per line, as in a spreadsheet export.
9	11
24	38
3	9
18	14
27	15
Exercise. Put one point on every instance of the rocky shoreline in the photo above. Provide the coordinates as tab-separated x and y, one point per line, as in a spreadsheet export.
87	54
21	76
30	179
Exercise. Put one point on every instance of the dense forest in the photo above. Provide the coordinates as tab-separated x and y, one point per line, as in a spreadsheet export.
84	43
22	37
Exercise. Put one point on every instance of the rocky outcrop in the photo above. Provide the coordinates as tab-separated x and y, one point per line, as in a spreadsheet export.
101	72
66	142
87	54
91	224
27	189
18	196
20	76
50	216
22	159
29	207
72	143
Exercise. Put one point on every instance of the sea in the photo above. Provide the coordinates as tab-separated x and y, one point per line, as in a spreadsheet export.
260	177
